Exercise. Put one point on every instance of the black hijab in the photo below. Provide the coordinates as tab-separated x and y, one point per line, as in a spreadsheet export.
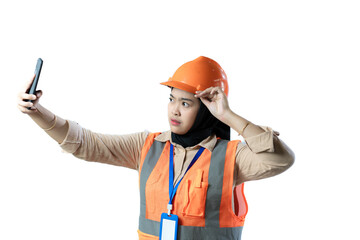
205	124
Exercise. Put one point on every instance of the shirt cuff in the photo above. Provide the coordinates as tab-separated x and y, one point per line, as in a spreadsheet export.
73	138
263	142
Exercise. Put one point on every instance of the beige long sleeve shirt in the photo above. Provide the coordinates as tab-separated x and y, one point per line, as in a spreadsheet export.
261	156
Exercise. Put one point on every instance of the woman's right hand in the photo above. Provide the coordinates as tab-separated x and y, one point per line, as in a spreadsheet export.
22	96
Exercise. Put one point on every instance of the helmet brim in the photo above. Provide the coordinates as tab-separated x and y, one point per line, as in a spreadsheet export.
180	85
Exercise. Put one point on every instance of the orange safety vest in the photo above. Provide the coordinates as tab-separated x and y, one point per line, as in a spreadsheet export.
203	201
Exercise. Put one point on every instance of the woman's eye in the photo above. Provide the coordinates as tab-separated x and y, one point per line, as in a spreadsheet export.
185	104
171	99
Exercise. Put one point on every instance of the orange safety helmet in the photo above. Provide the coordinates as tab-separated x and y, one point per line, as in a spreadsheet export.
198	75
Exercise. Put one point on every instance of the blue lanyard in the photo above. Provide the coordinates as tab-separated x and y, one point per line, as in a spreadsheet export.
172	189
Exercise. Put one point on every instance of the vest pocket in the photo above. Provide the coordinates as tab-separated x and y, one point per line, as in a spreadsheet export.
195	198
153	189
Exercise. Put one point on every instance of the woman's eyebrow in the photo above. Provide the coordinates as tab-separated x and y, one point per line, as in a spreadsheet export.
184	99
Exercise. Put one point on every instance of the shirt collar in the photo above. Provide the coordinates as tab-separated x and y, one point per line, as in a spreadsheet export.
208	143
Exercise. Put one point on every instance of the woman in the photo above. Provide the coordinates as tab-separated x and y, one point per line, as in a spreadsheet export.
205	170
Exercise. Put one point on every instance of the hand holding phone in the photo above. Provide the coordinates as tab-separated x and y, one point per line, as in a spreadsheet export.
32	89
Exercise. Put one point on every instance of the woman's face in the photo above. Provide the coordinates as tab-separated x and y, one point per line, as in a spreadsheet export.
182	110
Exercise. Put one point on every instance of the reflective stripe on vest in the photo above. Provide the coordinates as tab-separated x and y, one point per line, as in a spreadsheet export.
224	225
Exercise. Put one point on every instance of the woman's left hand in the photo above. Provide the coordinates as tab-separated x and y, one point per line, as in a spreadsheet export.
215	100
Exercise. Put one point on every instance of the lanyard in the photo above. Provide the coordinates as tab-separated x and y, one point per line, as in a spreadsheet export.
172	189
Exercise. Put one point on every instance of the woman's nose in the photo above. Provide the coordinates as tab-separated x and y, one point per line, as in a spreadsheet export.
175	110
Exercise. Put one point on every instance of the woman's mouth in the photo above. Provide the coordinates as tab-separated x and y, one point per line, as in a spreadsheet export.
174	122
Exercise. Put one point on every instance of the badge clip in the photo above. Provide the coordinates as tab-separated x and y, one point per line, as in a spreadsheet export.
169	208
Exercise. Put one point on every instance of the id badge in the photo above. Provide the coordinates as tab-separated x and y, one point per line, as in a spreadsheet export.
168	227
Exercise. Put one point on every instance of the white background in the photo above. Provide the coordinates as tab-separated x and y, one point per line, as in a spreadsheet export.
291	65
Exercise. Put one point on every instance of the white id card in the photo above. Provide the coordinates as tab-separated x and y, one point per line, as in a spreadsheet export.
168	227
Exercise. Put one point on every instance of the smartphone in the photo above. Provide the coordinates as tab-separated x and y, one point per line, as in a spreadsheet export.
32	89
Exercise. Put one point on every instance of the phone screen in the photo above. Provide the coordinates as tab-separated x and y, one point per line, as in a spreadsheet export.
39	64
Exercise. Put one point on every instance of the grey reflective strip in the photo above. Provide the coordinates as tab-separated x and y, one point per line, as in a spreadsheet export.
152	157
216	174
209	233
194	233
149	226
